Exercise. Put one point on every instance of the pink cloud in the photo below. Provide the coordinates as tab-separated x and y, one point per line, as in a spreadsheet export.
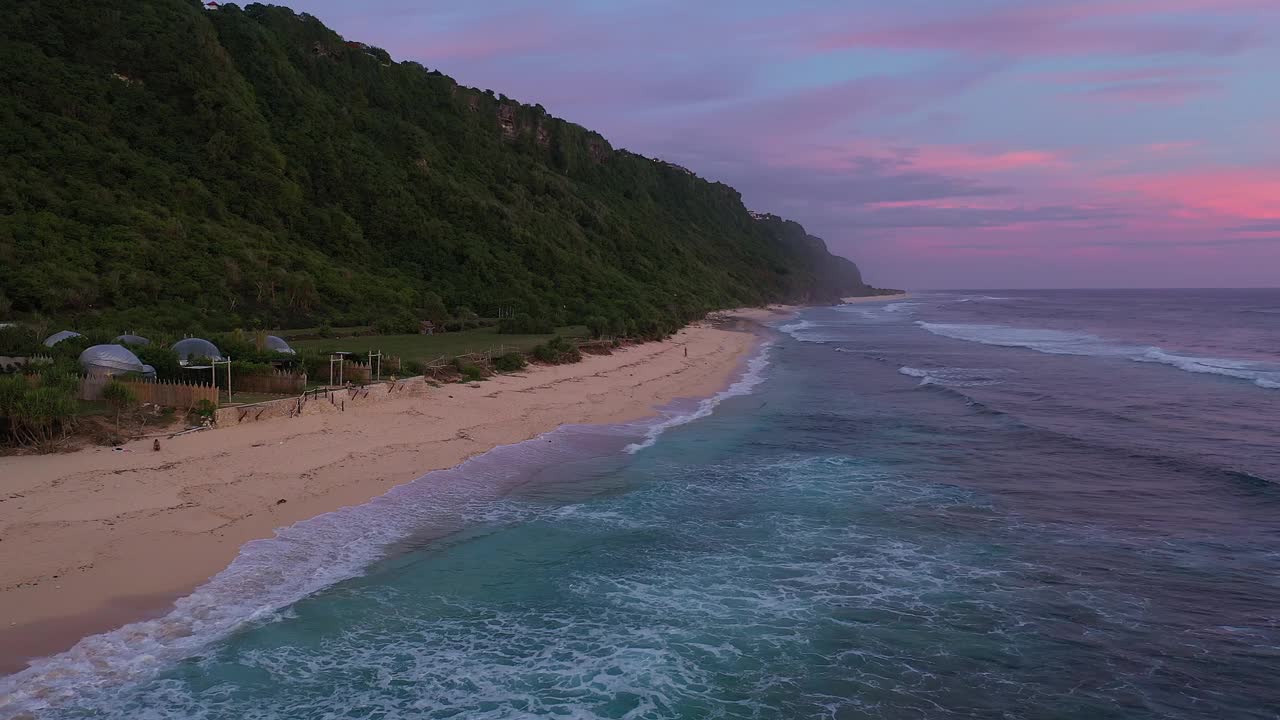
1170	148
1241	194
1150	92
1057	29
965	160
1144	85
1111	76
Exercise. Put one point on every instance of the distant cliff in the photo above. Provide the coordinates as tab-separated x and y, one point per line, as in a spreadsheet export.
170	166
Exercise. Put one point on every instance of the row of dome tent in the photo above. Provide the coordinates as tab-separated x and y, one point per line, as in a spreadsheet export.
117	359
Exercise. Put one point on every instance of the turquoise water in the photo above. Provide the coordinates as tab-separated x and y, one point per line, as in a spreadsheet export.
844	539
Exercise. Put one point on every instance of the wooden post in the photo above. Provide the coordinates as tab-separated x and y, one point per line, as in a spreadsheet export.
214	372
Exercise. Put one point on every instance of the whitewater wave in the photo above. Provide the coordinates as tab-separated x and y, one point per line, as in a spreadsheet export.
795	327
751	377
956	377
272	574
810	331
1062	342
899	307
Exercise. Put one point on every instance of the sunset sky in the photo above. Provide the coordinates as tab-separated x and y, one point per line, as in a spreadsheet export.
940	143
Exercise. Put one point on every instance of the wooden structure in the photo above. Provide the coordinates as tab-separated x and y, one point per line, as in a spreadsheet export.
278	382
162	393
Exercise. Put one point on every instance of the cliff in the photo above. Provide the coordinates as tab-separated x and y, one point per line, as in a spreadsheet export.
174	167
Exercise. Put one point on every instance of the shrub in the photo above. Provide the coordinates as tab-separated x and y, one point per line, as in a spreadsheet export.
35	415
315	365
164	360
245	367
203	410
599	326
544	354
62	374
469	372
121	397
511	362
17	340
397	324
326	330
465	318
414	367
557	351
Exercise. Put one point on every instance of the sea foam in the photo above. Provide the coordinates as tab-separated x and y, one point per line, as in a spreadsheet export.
309	556
1061	342
955	377
752	376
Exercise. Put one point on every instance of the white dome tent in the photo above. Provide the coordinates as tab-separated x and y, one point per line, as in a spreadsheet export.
135	340
278	344
111	360
196	348
59	336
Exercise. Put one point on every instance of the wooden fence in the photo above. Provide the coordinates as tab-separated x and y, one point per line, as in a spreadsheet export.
279	382
485	356
15	363
356	373
164	394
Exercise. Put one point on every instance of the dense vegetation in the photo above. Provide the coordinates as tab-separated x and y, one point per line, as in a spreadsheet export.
163	167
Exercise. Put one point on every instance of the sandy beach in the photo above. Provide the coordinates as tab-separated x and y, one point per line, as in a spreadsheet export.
874	298
98	538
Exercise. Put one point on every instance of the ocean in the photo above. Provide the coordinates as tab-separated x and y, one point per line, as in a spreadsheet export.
959	505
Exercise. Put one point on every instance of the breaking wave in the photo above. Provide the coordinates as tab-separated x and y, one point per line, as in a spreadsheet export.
956	377
752	376
270	575
1061	342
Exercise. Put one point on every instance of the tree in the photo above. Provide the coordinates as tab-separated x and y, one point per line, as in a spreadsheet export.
121	397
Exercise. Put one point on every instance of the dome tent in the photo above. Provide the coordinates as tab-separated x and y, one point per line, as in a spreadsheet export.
58	337
279	345
135	340
196	348
112	360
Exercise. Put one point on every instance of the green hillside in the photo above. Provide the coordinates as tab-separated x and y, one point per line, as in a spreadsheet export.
163	166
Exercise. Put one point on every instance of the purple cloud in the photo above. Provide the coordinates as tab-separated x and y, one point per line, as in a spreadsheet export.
1045	29
906	132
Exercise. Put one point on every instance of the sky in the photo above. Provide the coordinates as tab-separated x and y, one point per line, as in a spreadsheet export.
939	143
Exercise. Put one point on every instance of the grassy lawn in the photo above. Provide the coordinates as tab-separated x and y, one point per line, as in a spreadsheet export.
428	347
287	334
243	398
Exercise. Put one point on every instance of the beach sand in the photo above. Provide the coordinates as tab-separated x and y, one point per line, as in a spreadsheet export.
874	298
97	538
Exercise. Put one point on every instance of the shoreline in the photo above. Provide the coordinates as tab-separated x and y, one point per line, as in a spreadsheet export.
96	539
873	298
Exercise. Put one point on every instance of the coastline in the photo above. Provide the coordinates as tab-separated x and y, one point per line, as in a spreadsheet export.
873	298
97	539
